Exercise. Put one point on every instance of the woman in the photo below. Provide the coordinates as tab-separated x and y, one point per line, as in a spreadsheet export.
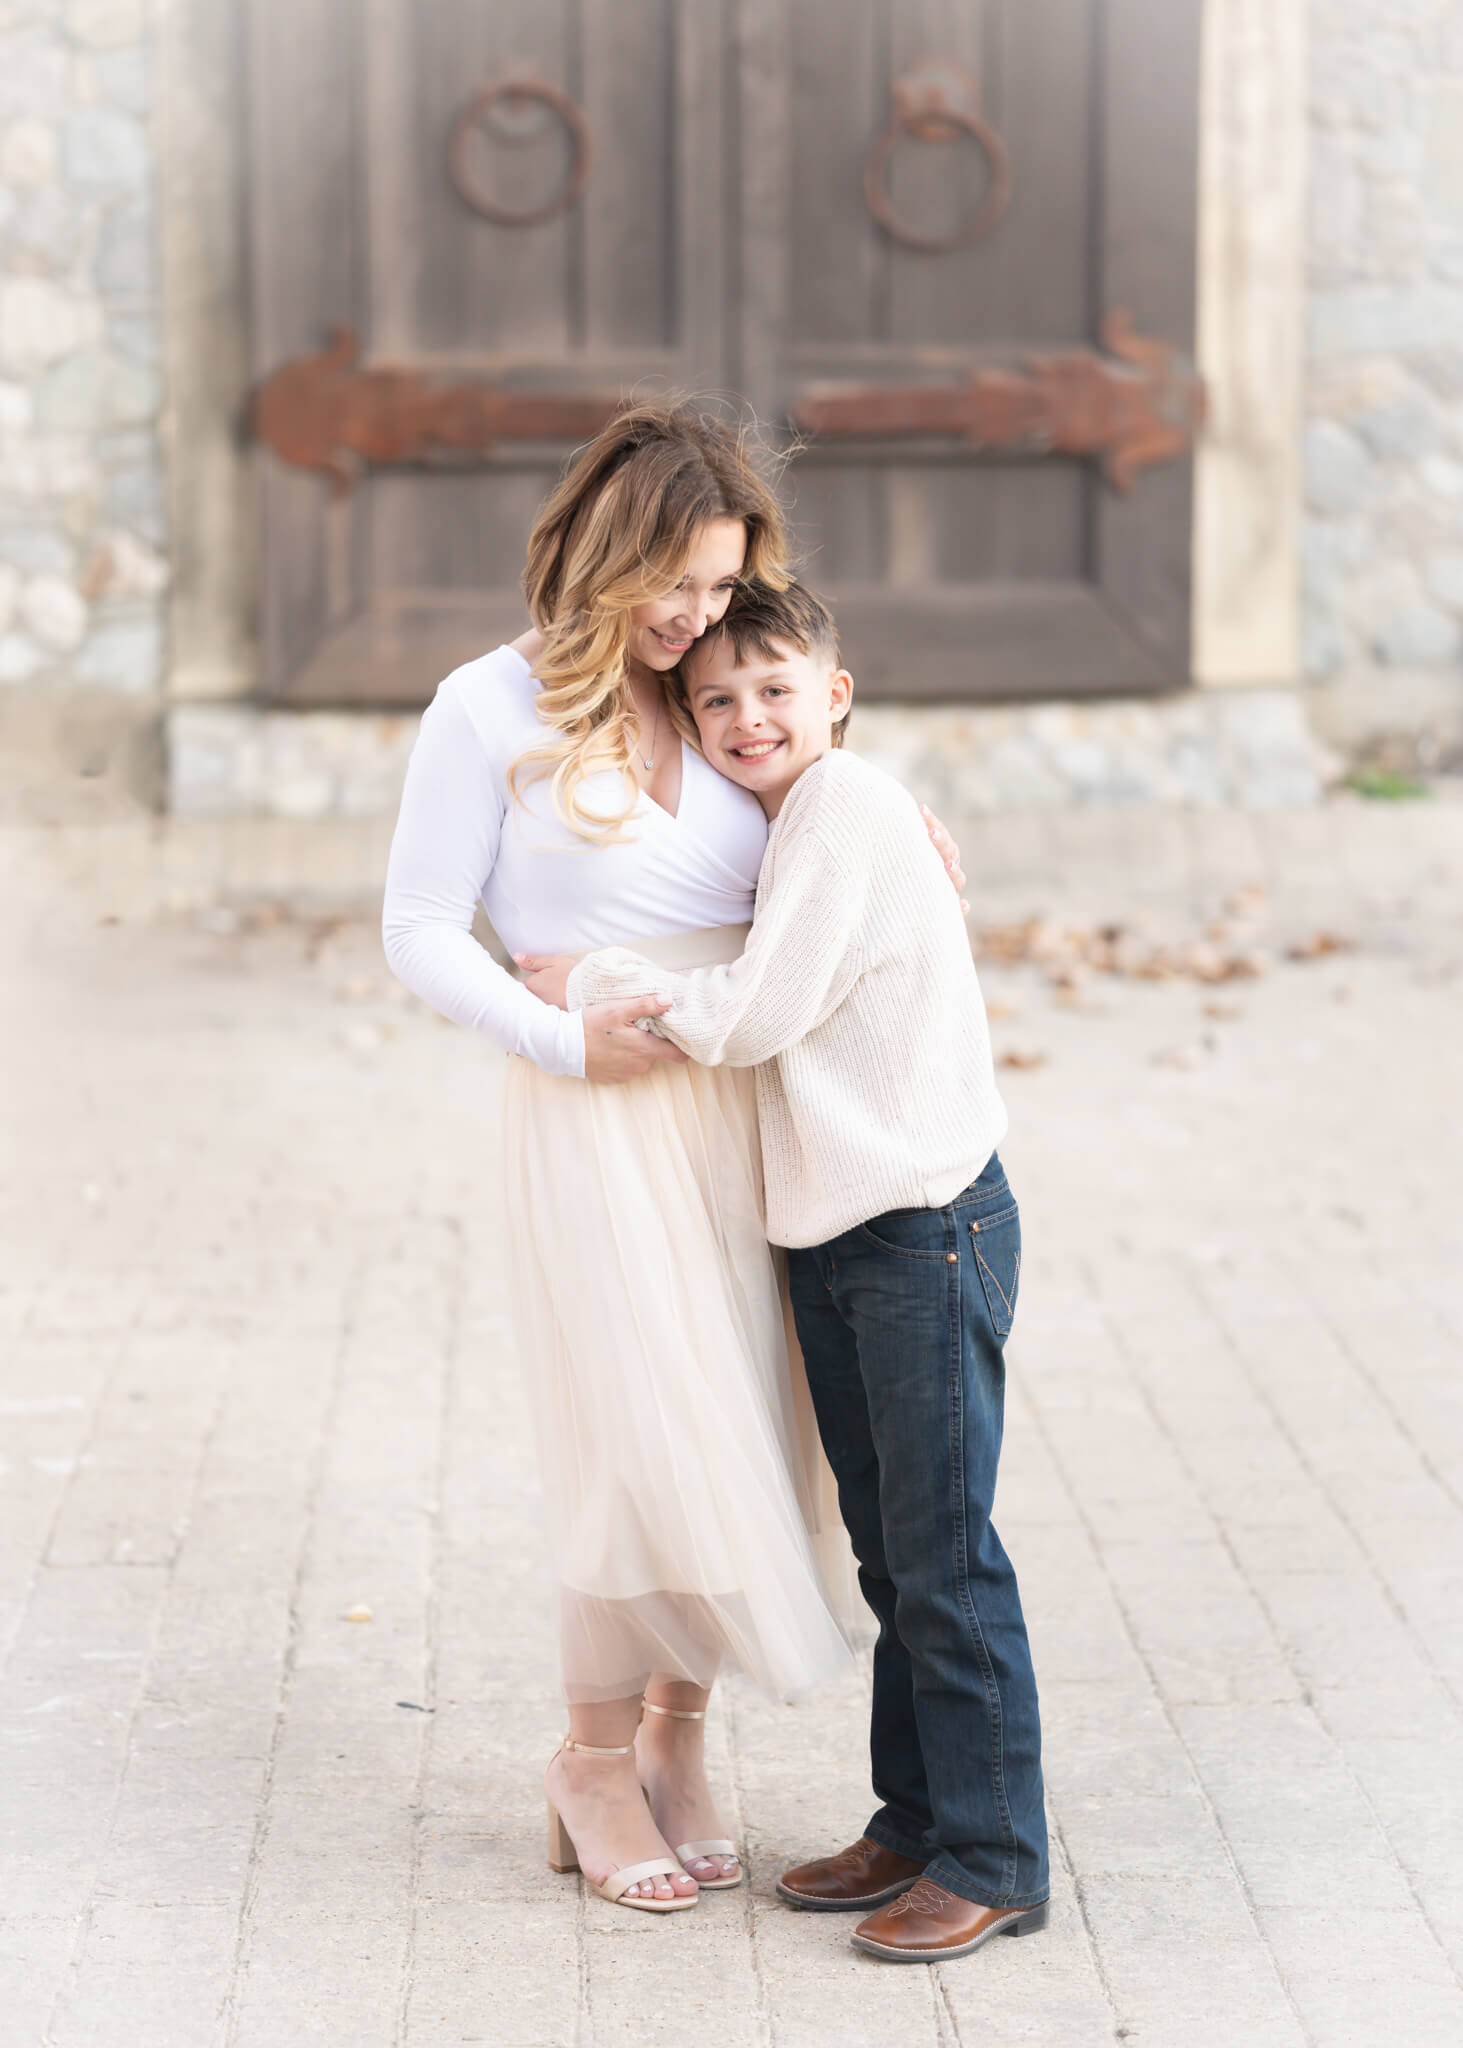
554	780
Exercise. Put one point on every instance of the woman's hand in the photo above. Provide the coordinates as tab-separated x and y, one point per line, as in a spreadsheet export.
547	975
615	1047
948	851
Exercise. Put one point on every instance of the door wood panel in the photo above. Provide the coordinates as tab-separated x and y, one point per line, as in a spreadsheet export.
722	245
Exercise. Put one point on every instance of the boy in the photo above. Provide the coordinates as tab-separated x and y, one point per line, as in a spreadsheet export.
857	1001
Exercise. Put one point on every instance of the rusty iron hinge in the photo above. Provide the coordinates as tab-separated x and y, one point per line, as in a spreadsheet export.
325	412
1140	403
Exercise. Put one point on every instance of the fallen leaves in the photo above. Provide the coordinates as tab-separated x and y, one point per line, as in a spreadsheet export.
1319	946
1067	954
1022	1061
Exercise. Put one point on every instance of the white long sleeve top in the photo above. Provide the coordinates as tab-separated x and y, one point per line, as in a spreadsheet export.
856	1000
461	839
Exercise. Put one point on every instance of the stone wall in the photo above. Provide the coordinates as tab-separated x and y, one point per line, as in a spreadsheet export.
83	551
82	543
1383	536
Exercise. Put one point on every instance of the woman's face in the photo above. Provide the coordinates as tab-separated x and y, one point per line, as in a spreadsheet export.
662	629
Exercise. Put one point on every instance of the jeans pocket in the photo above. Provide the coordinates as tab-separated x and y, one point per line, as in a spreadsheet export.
996	1242
908	1233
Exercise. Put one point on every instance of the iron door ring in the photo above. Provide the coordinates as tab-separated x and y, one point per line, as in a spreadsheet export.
478	109
939	127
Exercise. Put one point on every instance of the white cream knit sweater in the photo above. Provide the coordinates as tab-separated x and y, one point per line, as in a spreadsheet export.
857	1001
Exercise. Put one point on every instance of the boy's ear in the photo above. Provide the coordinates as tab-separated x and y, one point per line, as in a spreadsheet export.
841	688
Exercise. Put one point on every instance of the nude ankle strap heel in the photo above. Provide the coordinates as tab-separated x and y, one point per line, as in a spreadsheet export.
564	1857
699	1851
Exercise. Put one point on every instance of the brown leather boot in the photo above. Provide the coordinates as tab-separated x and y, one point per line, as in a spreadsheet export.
855	1879
927	1924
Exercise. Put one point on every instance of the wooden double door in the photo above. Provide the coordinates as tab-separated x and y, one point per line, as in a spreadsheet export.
946	247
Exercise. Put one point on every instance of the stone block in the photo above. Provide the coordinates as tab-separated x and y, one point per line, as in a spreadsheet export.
135	336
1443	571
149	1973
93	390
20	657
1442	181
37	550
1442	475
104	150
1420	633
1400	432
1365	1977
122	79
40	322
121	566
133	447
47	227
211	750
28	153
1338	473
1334	199
1350	89
123	267
124	654
1322	642
1367	320
287	764
54	613
105	24
134	498
32	78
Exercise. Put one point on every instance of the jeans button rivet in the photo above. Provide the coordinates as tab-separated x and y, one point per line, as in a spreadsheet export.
952	1258
975	1230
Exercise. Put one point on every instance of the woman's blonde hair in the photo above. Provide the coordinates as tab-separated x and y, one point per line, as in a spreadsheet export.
617	532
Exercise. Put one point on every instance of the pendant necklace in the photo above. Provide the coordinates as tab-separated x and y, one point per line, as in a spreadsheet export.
649	759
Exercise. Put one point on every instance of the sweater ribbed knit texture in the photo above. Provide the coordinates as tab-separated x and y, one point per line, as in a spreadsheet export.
857	1001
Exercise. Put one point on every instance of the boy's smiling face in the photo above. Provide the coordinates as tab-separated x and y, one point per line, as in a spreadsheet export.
763	722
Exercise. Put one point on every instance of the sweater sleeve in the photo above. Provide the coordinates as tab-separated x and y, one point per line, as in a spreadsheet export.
800	962
446	842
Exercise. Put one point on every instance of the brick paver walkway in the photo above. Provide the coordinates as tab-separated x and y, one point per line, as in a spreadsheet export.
257	1375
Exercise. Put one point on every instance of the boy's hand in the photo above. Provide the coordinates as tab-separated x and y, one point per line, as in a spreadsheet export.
617	1047
547	975
948	851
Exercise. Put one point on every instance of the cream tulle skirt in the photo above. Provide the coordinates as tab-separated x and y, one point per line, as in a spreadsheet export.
686	1492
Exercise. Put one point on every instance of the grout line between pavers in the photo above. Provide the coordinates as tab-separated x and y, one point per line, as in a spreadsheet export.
766	2028
446	1410
1288	1436
226	2033
1399	1421
1149	1673
85	1918
63	1496
1307	1694
947	2022
1089	1934
583	2008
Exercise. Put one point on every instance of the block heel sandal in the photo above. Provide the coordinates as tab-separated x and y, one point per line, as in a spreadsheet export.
564	1857
687	1851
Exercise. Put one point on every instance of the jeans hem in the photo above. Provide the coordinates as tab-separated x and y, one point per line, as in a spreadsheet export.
901	1845
950	1877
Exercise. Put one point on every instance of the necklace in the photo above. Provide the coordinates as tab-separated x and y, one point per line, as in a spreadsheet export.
648	760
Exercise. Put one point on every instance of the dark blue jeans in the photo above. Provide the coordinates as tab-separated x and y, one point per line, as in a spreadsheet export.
902	1322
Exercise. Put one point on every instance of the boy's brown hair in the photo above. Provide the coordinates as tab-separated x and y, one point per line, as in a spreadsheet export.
761	620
